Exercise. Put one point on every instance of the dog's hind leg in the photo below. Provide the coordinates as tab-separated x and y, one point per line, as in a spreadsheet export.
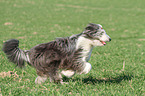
56	77
41	77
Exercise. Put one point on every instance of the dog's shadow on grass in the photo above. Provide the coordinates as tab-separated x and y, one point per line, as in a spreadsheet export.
93	80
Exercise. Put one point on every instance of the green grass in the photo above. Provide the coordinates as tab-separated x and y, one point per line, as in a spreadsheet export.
117	69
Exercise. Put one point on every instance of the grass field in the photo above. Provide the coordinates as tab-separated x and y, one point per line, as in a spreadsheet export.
117	68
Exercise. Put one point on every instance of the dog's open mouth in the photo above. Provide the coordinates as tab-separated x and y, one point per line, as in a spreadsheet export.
103	42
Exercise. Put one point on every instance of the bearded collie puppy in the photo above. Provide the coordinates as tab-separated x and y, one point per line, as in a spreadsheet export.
65	56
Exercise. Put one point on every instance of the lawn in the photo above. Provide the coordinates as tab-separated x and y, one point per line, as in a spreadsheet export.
117	68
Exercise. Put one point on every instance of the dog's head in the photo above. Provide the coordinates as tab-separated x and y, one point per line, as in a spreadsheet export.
97	33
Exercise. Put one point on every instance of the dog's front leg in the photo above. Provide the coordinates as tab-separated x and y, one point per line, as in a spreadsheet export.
68	73
86	68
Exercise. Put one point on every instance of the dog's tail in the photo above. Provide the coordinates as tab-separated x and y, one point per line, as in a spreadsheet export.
15	54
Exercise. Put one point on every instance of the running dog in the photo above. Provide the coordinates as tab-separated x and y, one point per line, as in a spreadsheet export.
65	56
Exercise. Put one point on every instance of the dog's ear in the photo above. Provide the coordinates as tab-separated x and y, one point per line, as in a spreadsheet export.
90	27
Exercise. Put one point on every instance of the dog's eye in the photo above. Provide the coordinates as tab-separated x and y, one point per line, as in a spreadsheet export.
95	31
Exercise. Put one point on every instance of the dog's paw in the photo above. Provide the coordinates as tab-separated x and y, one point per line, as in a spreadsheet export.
87	68
68	73
64	83
40	80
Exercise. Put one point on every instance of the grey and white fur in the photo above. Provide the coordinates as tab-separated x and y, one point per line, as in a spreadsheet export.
65	56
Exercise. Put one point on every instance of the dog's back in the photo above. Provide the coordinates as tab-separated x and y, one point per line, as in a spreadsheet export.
60	53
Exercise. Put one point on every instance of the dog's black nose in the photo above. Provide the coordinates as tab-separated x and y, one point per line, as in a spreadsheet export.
109	39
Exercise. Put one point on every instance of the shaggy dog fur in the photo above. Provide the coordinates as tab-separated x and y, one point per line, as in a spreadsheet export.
65	56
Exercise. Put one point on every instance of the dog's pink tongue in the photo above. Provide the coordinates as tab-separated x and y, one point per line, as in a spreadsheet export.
103	42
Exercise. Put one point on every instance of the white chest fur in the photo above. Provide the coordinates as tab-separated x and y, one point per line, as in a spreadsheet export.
87	46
